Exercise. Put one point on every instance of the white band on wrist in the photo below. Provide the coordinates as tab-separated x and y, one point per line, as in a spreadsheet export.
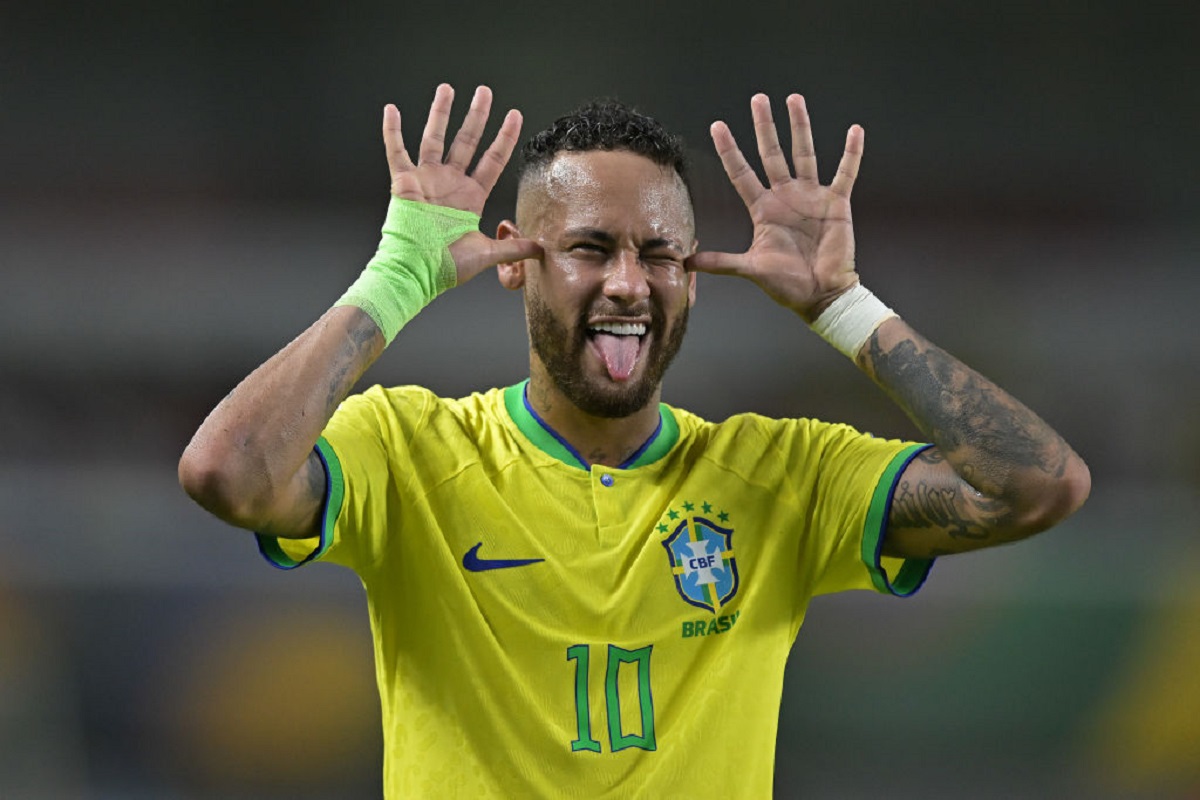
850	320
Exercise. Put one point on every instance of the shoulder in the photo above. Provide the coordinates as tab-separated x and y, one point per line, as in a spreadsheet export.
394	400
418	400
751	445
748	430
753	442
423	435
415	408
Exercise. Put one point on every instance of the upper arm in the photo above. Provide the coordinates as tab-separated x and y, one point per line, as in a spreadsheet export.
296	513
934	512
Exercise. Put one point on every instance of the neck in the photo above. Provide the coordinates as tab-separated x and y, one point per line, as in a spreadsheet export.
600	440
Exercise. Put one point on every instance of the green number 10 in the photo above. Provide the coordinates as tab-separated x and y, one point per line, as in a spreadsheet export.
617	739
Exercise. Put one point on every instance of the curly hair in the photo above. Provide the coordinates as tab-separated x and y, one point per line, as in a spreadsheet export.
607	125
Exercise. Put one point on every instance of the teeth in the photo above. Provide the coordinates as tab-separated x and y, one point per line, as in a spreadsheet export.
620	328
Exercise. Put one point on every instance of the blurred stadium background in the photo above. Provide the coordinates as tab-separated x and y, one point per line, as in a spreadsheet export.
184	186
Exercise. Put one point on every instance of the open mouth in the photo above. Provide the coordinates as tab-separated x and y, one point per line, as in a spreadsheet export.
619	344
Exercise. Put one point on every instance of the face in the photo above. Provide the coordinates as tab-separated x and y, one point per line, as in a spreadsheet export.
607	305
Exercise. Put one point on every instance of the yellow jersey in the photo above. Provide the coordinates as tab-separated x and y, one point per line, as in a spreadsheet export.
544	628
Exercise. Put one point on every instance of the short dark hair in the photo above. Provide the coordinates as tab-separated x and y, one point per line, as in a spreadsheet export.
607	124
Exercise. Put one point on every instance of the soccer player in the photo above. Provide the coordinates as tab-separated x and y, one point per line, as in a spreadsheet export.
576	590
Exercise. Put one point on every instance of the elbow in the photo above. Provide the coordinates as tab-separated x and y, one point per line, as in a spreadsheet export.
1056	497
218	486
200	478
1079	481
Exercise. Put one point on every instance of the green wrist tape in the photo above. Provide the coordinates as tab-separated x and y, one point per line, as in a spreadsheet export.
412	265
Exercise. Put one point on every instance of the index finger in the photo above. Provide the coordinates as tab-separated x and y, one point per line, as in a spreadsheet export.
740	173
494	159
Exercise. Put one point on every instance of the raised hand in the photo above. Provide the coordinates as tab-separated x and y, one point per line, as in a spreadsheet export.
445	179
802	251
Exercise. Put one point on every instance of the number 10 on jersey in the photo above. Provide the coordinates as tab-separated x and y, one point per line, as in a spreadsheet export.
619	660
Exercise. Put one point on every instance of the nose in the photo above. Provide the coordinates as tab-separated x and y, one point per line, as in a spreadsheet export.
625	280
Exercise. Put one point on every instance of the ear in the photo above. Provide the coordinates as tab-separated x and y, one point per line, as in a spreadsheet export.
692	277
510	273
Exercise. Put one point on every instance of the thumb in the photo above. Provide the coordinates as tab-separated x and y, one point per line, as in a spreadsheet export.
717	263
474	252
504	250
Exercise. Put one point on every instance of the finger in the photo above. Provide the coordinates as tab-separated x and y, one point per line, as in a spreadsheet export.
747	184
474	252
468	136
433	140
774	162
495	158
508	250
393	141
847	171
804	157
717	263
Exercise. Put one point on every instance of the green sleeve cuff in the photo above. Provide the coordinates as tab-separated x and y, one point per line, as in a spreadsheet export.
913	571
273	547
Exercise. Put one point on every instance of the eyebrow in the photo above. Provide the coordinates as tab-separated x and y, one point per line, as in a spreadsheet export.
598	235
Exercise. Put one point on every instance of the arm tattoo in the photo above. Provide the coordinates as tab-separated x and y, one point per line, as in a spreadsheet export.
984	432
360	338
1000	452
921	505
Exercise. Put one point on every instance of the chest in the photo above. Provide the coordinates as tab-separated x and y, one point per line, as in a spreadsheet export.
644	553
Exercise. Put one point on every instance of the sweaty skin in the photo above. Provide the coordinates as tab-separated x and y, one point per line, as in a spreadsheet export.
608	237
251	462
997	472
615	229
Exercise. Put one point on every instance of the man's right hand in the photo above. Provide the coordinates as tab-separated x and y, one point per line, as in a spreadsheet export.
251	462
445	180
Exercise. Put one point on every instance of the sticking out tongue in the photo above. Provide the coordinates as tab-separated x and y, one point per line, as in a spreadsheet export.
619	352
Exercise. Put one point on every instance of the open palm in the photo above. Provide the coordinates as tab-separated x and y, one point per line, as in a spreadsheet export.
802	250
444	178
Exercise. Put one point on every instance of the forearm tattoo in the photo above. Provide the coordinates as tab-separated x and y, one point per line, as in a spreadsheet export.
361	338
987	436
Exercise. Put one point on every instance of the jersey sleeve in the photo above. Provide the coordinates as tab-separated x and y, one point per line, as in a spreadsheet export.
856	478
356	449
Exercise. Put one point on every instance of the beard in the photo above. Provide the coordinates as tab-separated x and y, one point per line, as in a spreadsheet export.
561	350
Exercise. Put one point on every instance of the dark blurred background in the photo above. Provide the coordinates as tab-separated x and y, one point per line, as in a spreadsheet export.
186	186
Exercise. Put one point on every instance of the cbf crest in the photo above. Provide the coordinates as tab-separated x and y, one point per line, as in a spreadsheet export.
700	548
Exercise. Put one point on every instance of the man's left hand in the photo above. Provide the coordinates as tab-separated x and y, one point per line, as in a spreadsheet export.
802	252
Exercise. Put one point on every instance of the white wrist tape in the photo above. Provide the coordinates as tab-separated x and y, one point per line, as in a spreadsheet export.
850	320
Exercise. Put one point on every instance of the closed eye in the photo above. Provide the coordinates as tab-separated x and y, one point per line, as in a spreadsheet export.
661	259
589	252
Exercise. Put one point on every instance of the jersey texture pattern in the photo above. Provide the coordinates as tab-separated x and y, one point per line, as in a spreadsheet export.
545	629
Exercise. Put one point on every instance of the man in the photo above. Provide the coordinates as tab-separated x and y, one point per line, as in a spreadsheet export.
574	589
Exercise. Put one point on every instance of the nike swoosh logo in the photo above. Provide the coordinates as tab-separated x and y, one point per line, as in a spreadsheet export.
474	563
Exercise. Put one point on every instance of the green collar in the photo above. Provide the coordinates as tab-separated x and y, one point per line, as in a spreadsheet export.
552	444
